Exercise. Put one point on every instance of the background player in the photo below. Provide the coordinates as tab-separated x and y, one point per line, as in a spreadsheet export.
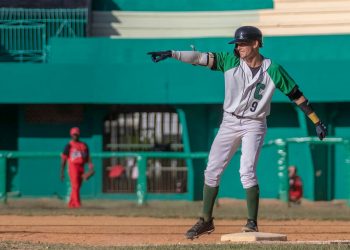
77	155
250	81
295	185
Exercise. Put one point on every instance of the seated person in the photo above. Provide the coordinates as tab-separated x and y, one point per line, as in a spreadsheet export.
295	186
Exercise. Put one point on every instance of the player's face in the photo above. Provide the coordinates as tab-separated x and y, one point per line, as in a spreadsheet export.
75	137
247	49
292	171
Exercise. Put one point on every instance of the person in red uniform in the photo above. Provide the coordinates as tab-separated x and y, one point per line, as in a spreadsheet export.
77	155
295	186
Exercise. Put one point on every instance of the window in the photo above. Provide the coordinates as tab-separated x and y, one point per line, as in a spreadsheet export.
144	130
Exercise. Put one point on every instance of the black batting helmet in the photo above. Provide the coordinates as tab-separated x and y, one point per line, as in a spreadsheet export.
247	34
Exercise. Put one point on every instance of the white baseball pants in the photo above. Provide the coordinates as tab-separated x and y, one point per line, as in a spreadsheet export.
232	133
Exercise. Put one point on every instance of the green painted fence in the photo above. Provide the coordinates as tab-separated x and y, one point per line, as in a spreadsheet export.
283	161
142	157
25	33
22	41
58	22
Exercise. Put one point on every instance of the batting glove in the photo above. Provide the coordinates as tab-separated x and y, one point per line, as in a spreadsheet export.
321	130
160	55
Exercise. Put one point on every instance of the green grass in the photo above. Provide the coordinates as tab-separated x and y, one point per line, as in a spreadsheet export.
228	209
40	246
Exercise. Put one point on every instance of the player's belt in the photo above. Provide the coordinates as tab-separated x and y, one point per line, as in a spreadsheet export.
238	116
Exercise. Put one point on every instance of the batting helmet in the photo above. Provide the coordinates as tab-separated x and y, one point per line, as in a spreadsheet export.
247	34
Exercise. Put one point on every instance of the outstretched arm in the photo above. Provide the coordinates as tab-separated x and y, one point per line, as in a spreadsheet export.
299	99
191	57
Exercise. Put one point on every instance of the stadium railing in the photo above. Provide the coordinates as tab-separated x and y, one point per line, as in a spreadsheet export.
283	161
22	41
141	158
282	146
25	33
58	22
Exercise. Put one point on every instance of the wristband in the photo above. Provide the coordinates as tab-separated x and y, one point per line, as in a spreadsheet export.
314	118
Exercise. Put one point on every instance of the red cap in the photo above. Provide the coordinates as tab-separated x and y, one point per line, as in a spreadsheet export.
75	131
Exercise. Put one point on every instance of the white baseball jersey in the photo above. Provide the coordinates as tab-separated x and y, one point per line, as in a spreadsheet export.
246	95
249	97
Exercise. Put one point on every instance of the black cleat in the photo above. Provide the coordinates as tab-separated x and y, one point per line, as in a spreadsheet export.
251	226
201	227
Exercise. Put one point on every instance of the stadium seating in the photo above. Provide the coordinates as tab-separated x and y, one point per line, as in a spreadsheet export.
288	17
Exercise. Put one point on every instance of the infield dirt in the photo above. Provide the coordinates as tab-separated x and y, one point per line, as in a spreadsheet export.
118	231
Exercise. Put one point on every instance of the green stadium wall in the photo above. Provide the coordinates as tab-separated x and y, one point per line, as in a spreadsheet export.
100	72
181	5
107	71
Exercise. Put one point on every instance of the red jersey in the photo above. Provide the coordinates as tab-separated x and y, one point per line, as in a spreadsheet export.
76	152
295	188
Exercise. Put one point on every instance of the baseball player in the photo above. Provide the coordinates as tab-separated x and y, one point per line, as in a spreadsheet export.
77	155
295	185
250	81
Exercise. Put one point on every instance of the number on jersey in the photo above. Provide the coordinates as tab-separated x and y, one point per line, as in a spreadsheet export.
257	95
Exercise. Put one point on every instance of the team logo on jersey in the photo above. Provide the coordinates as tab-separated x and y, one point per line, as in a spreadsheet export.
257	95
77	154
259	88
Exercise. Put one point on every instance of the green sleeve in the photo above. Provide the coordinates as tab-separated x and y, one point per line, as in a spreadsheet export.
225	61
283	81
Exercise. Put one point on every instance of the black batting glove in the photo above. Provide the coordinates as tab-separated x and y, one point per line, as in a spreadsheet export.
160	55
321	130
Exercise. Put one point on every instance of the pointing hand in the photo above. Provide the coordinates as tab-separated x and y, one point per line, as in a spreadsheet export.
160	55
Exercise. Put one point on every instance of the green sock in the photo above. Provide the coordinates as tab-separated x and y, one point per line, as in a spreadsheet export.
209	196
253	202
